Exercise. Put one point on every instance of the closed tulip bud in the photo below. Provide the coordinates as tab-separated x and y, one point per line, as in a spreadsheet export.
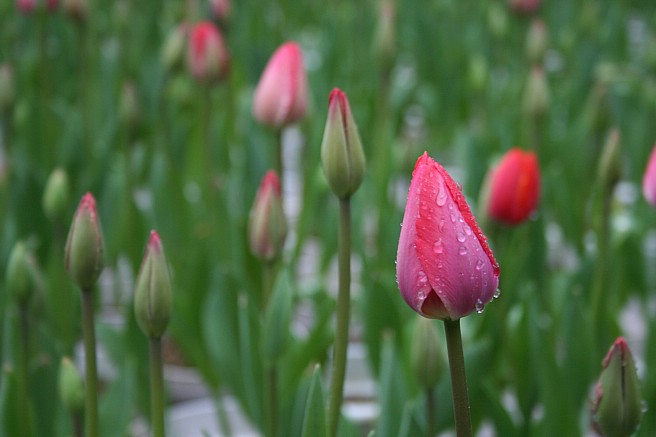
513	187
342	157
649	179
71	386
26	6
497	19
525	6
84	246
281	95
267	227
56	194
128	110
385	36
172	53
444	266
610	164
427	359
536	94
20	274
207	53
76	9
6	87
617	407
537	41
152	296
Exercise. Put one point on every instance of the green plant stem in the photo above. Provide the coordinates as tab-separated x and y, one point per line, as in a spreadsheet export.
207	135
156	387
91	375
458	378
271	378
23	372
279	157
268	276
78	424
343	316
431	430
601	277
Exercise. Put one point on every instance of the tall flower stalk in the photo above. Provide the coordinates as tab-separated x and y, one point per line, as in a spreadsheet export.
343	162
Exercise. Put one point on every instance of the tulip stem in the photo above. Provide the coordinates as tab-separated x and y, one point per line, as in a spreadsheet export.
271	371
156	387
91	376
279	157
430	412
78	424
458	378
23	372
343	316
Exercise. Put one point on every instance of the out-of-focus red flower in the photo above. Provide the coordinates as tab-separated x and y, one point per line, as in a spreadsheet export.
514	187
207	53
649	179
525	6
267	227
444	266
281	95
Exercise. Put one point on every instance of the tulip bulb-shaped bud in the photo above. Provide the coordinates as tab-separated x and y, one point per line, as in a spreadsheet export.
281	95
617	407
172	53
20	274
426	355
71	386
84	246
649	179
342	156
56	194
444	266
513	188
267	227
536	94
610	165
537	41
152	296
207	53
6	87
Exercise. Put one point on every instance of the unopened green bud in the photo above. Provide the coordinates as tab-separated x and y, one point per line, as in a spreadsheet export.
427	360
6	87
152	296
84	246
342	156
610	165
537	41
385	36
128	110
71	386
56	194
20	274
536	94
267	226
172	54
617	407
497	19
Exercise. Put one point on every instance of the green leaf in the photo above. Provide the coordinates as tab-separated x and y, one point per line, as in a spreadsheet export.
314	422
392	394
275	334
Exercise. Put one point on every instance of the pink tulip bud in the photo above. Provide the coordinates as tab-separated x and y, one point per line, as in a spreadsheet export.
84	246
649	180
207	53
267	227
444	266
281	95
514	187
26	6
525	6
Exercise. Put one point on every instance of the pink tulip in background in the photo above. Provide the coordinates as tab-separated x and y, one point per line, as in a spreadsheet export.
281	95
514	187
444	267
267	226
649	179
26	6
207	53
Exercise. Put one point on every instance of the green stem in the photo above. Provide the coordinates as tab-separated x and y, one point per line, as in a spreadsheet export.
279	158
23	373
601	277
156	387
222	416
78	424
431	430
271	378
91	383
268	276
458	378
343	315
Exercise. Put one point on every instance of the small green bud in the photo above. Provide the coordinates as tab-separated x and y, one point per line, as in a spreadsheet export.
128	110
172	55
385	35
617	407
610	165
20	274
152	296
84	246
537	41
56	194
267	226
342	156
426	356
71	386
536	94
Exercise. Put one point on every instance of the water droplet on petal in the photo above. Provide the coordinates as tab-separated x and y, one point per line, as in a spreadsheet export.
462	250
479	306
459	186
441	195
438	247
453	217
461	237
441	225
421	277
479	264
497	293
468	230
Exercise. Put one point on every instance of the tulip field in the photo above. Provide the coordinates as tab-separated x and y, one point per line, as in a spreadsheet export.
454	200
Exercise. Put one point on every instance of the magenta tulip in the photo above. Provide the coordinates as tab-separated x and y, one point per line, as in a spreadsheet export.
207	53
649	179
281	95
444	267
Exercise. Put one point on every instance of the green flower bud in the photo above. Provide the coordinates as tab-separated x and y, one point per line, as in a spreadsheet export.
84	246
152	296
610	165
617	408
385	35
537	41
536	94
128	110
172	54
55	195
342	156
426	356
71	386
267	226
20	274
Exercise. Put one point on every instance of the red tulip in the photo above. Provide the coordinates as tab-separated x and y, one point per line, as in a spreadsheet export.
514	187
281	95
444	267
649	179
207	54
267	226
